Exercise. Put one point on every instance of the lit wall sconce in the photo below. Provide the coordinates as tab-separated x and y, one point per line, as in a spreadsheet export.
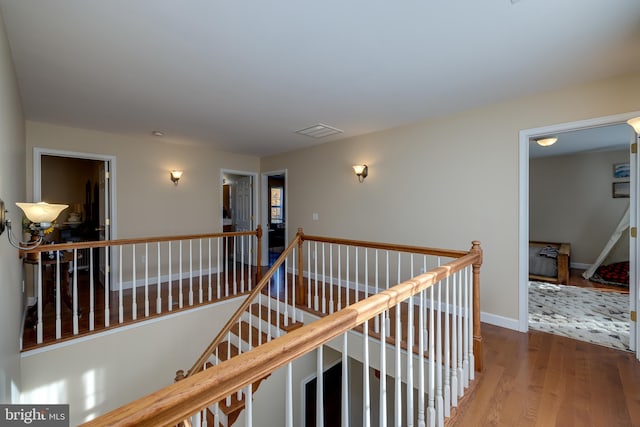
361	171
635	124
40	214
545	142
175	176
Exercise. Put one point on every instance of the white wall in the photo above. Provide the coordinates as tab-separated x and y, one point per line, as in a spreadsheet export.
570	200
106	371
12	189
441	182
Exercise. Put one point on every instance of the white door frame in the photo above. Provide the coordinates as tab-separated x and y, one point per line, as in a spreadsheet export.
526	136
254	201
265	206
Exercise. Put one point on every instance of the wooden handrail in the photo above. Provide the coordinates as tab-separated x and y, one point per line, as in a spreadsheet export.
387	246
178	401
197	366
118	242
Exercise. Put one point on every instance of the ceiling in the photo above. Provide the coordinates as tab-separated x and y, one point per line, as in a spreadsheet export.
242	76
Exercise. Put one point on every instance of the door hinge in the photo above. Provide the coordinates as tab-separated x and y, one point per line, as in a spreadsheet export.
633	315
634	148
107	175
634	232
107	221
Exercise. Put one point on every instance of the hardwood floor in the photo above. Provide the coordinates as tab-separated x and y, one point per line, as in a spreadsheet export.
539	379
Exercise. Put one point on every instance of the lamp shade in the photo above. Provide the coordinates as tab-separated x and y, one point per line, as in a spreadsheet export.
635	124
41	212
359	169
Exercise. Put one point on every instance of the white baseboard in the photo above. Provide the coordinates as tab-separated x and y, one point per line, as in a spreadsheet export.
503	322
580	265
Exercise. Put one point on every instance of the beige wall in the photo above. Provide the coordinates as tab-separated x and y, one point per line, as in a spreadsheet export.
441	182
12	189
570	200
104	372
148	204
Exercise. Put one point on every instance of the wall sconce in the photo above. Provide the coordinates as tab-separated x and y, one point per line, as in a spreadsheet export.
545	142
175	176
40	214
361	171
635	124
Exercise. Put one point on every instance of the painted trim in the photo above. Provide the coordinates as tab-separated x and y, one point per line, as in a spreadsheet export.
501	321
523	203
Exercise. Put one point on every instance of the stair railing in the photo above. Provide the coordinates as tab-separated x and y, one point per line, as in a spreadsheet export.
183	399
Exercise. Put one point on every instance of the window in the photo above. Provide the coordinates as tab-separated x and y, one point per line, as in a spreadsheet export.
276	205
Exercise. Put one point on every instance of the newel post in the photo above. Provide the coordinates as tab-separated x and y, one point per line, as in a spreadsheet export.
477	333
259	253
301	296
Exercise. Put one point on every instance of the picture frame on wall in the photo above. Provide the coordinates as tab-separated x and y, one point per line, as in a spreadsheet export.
621	189
621	170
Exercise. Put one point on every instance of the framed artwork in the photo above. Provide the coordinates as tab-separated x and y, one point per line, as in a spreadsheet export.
621	189
621	170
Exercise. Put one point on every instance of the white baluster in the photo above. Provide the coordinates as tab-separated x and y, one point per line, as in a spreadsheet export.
383	374
293	285
331	306
410	339
58	299
398	377
288	400
146	280
438	359
134	302
469	287
454	344
421	391
286	292
180	296
120	302
356	268
345	383
170	296
200	290
316	297
242	263
319	388
76	315
376	322
366	403
339	280
91	292
387	318
235	265
308	274
210	289
159	282
347	277
447	353
460	336
324	281
248	406
107	287
190	272
431	411
218	259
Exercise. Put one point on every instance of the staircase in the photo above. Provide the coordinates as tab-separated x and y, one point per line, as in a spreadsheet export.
257	325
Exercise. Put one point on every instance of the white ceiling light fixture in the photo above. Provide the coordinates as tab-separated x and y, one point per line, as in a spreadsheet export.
545	142
157	133
319	131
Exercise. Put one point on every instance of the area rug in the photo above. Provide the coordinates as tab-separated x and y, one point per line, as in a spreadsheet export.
616	274
583	314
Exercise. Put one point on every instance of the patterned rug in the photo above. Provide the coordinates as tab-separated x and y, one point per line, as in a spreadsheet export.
584	314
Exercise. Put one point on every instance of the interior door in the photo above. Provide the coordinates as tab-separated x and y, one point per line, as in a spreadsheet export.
243	211
103	228
634	326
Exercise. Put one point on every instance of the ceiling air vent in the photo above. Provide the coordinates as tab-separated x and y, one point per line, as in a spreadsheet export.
319	131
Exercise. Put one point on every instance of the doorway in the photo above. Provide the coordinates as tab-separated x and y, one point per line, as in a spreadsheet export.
238	206
85	182
275	208
526	136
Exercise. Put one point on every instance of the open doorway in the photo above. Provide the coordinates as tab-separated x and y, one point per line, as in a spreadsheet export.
538	179
274	193
85	182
